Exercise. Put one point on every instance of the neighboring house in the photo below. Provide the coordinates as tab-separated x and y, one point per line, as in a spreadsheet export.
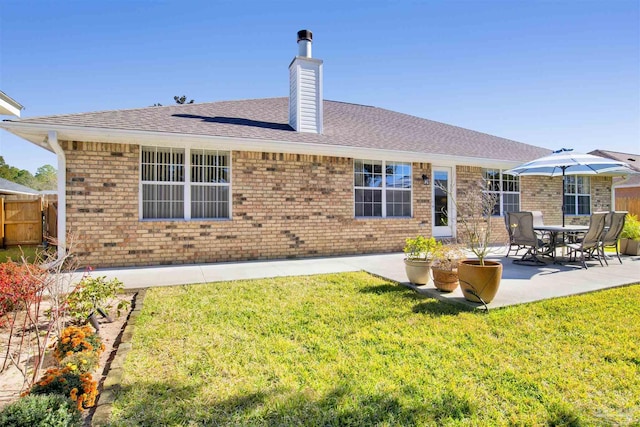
276	178
13	189
626	189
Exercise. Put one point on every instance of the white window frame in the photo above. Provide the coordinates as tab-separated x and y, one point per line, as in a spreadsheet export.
577	195
186	183
215	183
501	192
383	188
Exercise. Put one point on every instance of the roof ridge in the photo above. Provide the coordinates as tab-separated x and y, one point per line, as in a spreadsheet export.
128	110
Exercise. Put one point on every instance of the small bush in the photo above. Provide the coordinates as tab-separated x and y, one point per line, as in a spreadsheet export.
47	410
82	362
76	339
19	286
81	388
93	293
631	228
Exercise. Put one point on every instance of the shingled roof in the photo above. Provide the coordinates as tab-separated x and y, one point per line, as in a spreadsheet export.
633	160
346	125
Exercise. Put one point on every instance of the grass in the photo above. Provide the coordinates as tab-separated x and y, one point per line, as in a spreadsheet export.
15	253
353	349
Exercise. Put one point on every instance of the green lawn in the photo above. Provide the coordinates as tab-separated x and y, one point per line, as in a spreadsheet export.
353	349
15	253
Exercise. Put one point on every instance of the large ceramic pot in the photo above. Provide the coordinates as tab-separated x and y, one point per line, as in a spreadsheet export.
445	280
478	280
418	271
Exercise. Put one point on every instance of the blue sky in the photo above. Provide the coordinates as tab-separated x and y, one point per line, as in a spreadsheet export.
548	73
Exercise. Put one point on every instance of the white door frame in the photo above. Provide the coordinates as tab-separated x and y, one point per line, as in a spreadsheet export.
449	229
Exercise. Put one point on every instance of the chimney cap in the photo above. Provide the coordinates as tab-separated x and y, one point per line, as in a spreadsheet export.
304	35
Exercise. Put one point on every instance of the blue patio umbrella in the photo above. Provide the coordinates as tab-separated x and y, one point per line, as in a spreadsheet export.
565	162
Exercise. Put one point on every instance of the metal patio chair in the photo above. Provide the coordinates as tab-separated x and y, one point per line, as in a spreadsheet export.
512	244
611	236
520	225
589	246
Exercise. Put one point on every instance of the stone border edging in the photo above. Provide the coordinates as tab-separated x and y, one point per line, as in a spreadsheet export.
112	383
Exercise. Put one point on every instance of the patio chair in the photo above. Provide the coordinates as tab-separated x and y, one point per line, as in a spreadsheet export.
538	222
611	236
520	225
589	244
511	242
537	218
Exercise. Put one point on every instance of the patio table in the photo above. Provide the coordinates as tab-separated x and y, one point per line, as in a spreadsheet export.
554	231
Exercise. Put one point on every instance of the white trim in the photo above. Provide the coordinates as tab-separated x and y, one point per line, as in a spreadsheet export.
186	184
4	191
383	190
52	139
9	106
502	192
577	195
451	206
35	132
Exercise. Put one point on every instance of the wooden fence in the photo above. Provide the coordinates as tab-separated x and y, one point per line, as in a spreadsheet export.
22	222
629	204
27	222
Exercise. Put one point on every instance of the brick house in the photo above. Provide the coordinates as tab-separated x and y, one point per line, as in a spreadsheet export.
275	178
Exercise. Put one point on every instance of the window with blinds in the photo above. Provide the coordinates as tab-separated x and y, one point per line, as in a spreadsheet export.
168	193
209	184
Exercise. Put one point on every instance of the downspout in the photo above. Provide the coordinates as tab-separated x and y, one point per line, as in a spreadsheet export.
62	192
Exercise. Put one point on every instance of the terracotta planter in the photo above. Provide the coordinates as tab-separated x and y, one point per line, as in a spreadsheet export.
480	280
418	271
445	280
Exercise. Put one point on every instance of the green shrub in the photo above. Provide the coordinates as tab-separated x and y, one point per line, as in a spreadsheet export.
47	410
421	248
93	293
631	228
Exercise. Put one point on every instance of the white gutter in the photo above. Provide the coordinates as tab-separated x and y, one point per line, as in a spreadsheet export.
33	132
62	192
9	106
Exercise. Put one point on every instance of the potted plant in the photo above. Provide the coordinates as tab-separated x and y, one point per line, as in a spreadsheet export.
630	236
479	278
445	267
419	252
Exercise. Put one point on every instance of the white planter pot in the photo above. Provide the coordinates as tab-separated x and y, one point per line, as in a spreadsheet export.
418	271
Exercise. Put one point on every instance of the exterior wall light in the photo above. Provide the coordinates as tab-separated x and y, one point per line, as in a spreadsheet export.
425	179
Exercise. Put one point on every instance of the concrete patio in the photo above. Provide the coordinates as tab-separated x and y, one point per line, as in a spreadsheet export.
520	283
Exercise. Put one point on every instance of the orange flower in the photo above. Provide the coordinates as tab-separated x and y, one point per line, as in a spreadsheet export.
80	400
